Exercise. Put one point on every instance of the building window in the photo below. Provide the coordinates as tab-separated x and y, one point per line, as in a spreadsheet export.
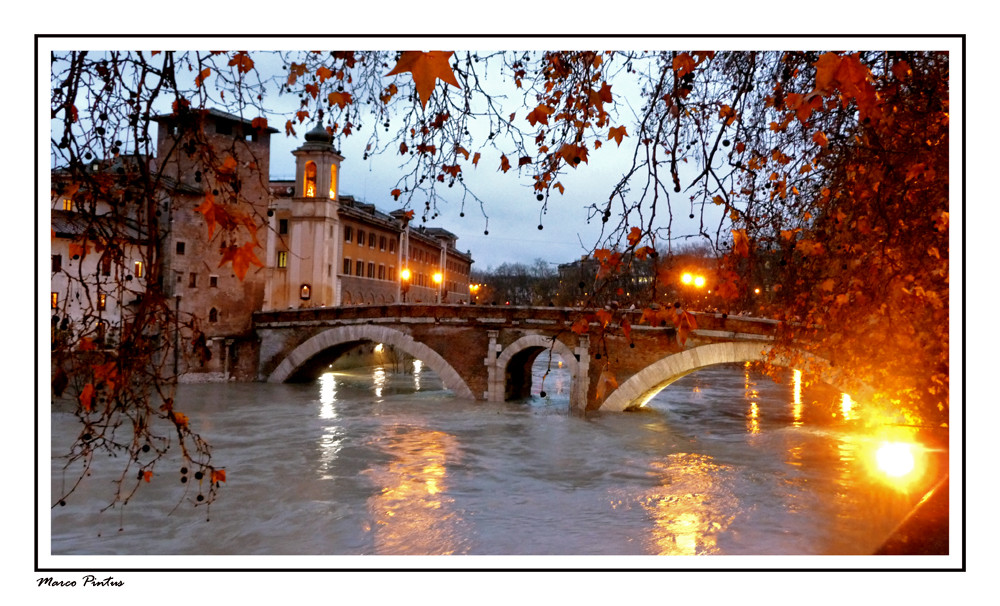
67	204
347	267
192	280
137	269
392	246
305	292
309	180
213	315
180	248
381	272
283	226
213	281
224	128
381	243
56	263
359	268
333	181
282	258
371	240
348	233
392	273
102	301
106	265
55	300
371	270
361	237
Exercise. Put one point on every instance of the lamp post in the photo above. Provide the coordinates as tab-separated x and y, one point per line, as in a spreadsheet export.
439	280
404	277
474	293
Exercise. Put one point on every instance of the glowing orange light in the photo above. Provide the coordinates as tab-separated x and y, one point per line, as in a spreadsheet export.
405	274
438	277
699	281
687	279
895	459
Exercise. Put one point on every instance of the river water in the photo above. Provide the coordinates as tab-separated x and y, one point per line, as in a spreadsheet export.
378	462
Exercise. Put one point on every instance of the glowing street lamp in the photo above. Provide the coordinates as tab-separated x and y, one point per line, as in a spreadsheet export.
404	285
689	279
438	278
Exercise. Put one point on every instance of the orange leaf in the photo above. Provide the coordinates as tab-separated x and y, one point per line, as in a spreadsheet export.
741	244
475	159
581	326
339	99
324	73
86	396
826	69
259	123
634	235
242	61
820	139
504	163
605	383
180	418
200	79
683	64
426	68
540	115
617	133
218	475
147	475
243	258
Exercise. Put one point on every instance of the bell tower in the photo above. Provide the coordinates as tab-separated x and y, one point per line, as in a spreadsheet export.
313	225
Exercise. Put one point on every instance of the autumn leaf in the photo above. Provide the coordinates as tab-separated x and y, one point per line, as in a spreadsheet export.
86	396
741	244
605	383
324	73
580	326
683	64
634	235
617	133
241	257
504	163
341	100
259	123
147	476
426	68
820	139
475	159
200	79
826	69
573	154
540	115
179	418
242	62
218	475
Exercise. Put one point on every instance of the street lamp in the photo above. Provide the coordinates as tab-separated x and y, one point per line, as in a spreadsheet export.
474	292
404	282
438	279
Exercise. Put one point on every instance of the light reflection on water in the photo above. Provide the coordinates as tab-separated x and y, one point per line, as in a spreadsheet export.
375	462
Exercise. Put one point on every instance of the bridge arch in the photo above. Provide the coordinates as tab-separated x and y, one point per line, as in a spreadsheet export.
380	334
643	385
515	362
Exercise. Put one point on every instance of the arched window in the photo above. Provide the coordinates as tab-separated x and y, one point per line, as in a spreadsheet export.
333	181
213	315
309	180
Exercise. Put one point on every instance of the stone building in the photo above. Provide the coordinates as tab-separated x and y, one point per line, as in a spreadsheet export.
317	248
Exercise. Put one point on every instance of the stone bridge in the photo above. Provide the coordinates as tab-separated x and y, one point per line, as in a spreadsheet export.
486	352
